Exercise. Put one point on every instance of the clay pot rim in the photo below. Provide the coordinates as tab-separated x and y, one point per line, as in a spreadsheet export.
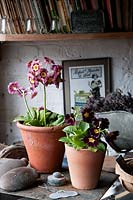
70	147
39	128
123	175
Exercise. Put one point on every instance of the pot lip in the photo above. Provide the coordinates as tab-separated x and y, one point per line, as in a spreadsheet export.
25	127
70	147
124	175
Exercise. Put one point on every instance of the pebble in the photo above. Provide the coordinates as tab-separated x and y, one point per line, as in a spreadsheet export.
56	179
7	164
18	179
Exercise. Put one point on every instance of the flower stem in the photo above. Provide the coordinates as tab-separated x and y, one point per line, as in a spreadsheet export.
44	105
26	105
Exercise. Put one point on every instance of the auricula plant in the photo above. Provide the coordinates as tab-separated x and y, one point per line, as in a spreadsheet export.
88	133
46	74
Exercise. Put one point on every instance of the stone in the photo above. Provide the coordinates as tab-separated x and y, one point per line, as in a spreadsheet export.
63	194
7	164
56	179
18	179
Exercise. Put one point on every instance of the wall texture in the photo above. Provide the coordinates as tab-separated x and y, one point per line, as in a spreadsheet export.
14	56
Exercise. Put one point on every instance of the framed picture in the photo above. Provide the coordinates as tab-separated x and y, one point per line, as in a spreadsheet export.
84	78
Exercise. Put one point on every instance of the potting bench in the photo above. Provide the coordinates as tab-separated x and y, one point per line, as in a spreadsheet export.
42	190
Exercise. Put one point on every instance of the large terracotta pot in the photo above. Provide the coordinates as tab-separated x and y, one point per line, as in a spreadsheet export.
84	167
44	150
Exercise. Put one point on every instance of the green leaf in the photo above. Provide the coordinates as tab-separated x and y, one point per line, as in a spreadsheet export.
70	129
64	139
93	149
101	146
19	118
59	121
83	126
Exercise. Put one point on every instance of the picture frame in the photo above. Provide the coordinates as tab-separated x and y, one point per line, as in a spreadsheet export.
84	77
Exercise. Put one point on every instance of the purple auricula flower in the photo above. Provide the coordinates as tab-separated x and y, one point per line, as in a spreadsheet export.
104	123
90	141
35	67
14	88
95	122
112	136
43	75
33	94
87	114
69	119
41	108
48	60
33	80
95	132
56	68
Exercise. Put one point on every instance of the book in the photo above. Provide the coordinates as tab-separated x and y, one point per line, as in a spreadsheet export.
125	19
108	15
94	4
64	26
78	5
20	15
36	16
68	11
130	15
114	15
15	18
67	18
47	13
83	5
118	15
52	8
41	16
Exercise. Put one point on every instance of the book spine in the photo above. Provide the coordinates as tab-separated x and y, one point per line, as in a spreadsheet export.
118	14
20	15
41	17
109	13
48	13
83	5
11	21
38	25
130	15
125	15
67	19
61	15
94	4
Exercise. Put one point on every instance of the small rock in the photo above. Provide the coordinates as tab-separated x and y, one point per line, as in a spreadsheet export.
7	164
56	179
63	194
18	179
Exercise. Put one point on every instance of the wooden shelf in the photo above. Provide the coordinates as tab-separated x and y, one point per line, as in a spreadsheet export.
57	37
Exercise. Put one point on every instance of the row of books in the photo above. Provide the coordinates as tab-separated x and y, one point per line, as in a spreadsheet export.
44	16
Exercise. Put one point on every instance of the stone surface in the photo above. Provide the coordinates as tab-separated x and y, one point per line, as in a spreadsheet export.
18	179
7	164
42	191
63	194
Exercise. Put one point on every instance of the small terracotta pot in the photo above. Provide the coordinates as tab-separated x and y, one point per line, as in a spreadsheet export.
44	150
84	167
125	178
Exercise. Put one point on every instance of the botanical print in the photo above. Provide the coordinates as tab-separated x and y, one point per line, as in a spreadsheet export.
84	81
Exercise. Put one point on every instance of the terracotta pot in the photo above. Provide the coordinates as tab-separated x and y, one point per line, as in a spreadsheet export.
84	167
44	150
125	178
